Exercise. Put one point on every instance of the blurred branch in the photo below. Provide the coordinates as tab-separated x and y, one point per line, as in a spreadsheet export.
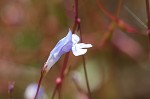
148	13
148	26
120	23
112	26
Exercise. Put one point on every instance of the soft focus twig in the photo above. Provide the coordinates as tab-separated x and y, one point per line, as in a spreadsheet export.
148	26
148	13
112	26
120	23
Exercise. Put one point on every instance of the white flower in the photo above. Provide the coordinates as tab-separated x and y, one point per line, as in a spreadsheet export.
66	44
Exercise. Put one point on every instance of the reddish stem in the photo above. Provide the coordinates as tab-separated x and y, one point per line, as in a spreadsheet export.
58	86
120	23
76	10
65	60
54	92
148	17
39	83
64	65
148	26
105	11
148	13
59	91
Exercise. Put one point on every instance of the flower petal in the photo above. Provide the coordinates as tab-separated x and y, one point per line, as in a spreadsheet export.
83	45
63	42
75	38
50	62
78	49
63	46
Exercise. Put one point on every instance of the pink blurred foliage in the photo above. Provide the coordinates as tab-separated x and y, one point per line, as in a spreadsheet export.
127	45
81	96
12	14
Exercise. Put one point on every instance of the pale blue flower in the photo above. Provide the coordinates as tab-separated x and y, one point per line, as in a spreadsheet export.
66	44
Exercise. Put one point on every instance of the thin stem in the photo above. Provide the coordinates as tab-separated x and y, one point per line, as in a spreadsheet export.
76	9
61	75
58	86
111	28
104	10
64	65
54	92
148	26
148	13
84	67
86	77
59	91
118	7
39	84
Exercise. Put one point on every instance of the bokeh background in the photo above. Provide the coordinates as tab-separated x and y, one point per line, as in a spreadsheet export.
118	66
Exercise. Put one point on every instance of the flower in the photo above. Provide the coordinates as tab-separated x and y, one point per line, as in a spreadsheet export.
66	44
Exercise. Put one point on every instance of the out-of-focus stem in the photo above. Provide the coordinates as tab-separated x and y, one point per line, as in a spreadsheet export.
118	7
10	89
148	26
10	96
104	10
59	91
54	92
120	23
148	13
112	26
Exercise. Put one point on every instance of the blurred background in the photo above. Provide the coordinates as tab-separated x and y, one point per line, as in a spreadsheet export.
117	64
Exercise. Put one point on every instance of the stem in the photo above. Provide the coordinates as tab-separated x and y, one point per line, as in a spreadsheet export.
118	7
59	91
39	83
38	86
148	13
54	92
84	67
112	26
64	65
76	10
148	26
59	85
104	10
86	77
